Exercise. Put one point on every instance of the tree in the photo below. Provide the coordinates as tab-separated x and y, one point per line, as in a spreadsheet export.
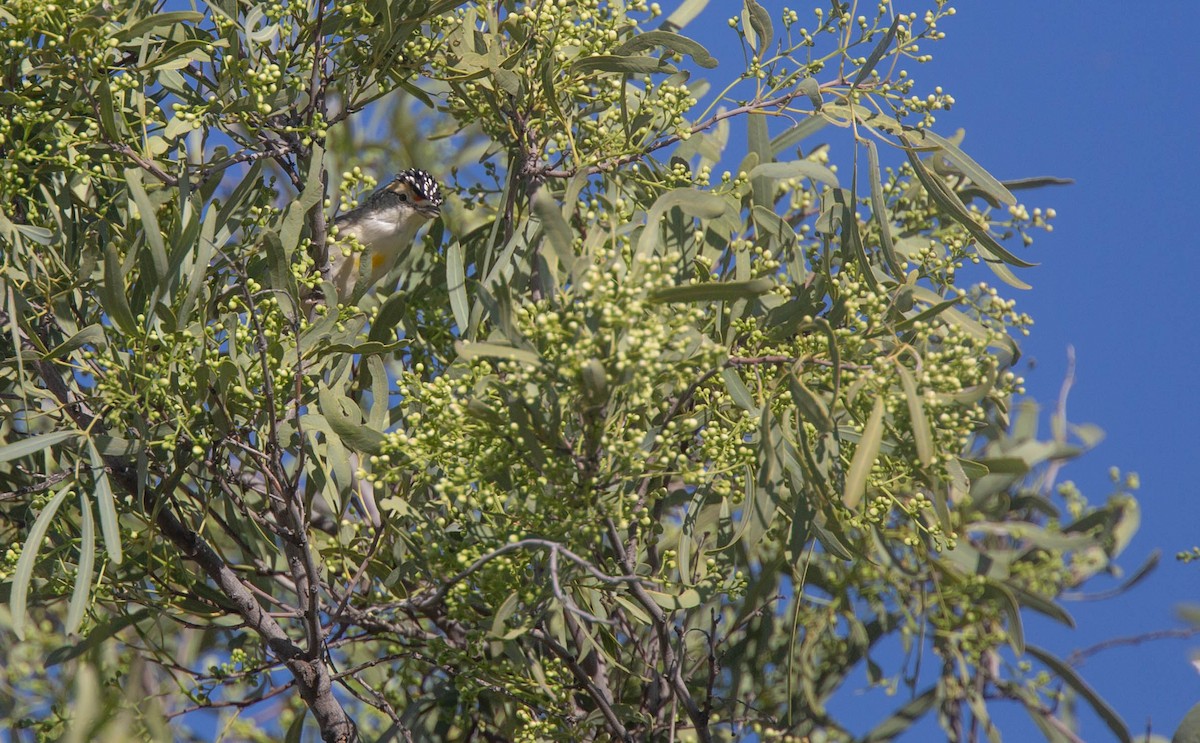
660	449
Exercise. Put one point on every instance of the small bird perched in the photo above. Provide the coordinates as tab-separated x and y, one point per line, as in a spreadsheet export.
385	225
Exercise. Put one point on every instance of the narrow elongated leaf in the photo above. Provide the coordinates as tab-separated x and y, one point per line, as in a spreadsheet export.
864	457
922	435
714	291
87	562
811	88
879	209
293	219
558	233
23	575
156	23
695	203
97	636
198	278
634	65
633	609
149	217
688	599
34	444
903	718
684	14
92	335
497	351
852	245
112	291
107	503
877	53
1008	603
798	133
738	390
1040	604
456	284
235	205
949	201
971	169
668	40
1072	679
768	224
1040	181
759	143
812	408
345	420
796	169
760	22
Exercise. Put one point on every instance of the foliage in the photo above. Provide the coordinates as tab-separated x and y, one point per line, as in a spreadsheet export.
660	449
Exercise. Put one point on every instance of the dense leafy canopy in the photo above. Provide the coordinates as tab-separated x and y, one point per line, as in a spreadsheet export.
638	442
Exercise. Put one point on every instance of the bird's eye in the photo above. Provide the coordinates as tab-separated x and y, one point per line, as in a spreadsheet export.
403	196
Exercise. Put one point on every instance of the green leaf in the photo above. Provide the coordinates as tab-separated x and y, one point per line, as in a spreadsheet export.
937	189
688	599
471	351
811	88
972	469
112	292
1008	604
852	244
85	570
903	718
879	209
713	291
796	169
92	335
557	232
971	169
456	284
691	201
798	133
758	141
634	611
23	575
34	444
877	53
633	65
236	205
812	408
668	40
97	636
1040	604
922	435
297	211
864	457
107	503
156	23
684	14
1188	730
738	390
759	21
345	419
149	218
1072	679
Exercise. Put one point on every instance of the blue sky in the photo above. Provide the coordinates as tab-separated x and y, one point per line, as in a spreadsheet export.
1105	93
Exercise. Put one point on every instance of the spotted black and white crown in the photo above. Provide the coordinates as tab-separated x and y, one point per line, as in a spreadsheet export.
422	184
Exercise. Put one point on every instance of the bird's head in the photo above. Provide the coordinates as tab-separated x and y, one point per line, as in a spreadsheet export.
418	189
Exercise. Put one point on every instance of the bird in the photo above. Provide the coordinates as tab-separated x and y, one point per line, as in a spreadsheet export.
385	225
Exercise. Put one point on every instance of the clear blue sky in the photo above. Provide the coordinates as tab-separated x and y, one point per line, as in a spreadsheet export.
1103	92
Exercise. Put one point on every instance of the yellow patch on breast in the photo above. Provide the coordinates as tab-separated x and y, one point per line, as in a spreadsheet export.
376	261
